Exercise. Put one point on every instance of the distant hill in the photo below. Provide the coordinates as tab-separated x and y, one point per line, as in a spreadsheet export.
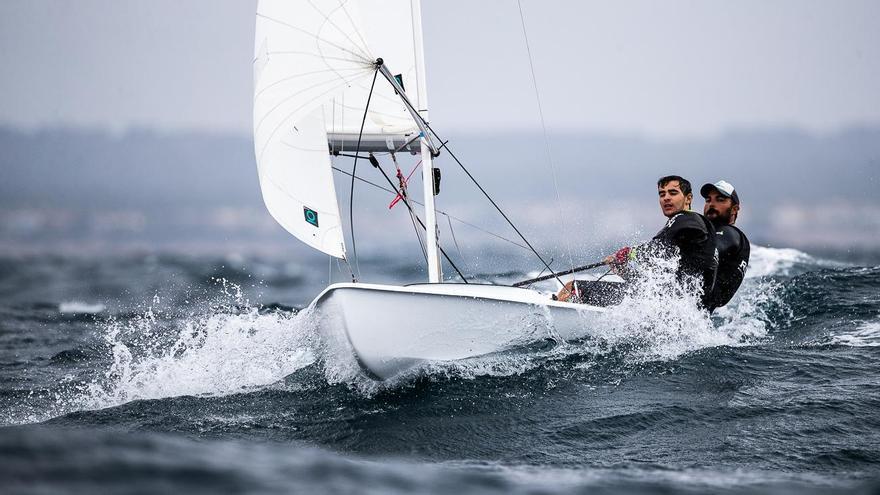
797	188
139	168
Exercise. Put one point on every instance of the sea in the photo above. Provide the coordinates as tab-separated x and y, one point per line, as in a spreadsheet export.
183	373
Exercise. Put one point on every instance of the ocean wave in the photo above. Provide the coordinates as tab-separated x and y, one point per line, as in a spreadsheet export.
767	261
218	355
866	334
231	348
94	460
79	307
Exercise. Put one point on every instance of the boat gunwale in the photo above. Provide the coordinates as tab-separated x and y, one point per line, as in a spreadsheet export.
403	289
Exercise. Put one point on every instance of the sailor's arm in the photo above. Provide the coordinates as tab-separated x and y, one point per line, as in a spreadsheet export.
685	233
729	241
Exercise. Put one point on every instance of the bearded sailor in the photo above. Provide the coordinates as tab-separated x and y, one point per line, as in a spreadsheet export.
722	208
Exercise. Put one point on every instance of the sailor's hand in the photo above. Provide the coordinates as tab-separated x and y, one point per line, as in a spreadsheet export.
609	260
622	255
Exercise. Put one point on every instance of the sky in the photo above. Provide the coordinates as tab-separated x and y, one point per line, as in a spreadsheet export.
675	69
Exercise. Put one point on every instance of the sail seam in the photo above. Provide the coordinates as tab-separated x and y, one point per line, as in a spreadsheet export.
358	61
286	118
294	95
364	46
291	78
313	35
365	56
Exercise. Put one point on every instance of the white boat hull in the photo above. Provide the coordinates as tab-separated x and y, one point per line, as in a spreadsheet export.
392	329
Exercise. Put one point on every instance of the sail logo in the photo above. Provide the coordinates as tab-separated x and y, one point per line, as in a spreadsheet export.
311	215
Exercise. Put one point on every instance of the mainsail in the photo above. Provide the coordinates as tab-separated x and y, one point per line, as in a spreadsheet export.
314	62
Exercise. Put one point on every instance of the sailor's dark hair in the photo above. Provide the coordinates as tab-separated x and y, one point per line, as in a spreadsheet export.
683	184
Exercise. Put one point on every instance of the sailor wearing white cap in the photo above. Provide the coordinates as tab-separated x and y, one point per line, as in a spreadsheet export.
721	208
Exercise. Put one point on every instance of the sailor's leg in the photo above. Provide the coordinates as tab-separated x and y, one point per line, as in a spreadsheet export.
602	293
566	292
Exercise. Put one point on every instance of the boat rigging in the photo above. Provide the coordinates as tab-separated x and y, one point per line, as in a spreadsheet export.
315	95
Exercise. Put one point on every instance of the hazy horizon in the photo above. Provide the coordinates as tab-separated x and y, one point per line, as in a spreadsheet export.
152	191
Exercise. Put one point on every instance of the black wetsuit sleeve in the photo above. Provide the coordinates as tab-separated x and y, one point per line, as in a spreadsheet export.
730	241
685	229
680	231
693	237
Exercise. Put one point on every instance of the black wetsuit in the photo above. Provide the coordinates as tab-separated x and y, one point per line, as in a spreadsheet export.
733	260
693	235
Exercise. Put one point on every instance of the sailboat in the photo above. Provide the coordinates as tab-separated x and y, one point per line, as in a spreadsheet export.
348	77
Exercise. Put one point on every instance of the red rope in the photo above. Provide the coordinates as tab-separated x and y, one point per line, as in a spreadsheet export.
403	182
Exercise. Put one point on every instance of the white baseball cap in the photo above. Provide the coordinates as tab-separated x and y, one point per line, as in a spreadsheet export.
723	187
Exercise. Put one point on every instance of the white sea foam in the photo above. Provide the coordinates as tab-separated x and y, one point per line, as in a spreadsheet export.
575	480
865	335
660	321
765	261
223	352
79	307
746	316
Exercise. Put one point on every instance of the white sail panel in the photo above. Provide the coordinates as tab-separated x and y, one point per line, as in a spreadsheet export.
313	65
311	213
392	29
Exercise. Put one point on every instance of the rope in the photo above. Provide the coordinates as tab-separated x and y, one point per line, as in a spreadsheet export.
418	237
509	222
542	271
546	138
402	180
403	195
353	172
454	240
409	207
459	220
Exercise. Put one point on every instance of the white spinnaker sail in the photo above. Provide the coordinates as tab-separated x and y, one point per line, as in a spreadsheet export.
313	66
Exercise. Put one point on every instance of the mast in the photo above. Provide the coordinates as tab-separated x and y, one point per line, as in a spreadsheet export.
435	274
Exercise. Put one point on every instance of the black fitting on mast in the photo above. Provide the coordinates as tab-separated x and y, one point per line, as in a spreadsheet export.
378	63
436	176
